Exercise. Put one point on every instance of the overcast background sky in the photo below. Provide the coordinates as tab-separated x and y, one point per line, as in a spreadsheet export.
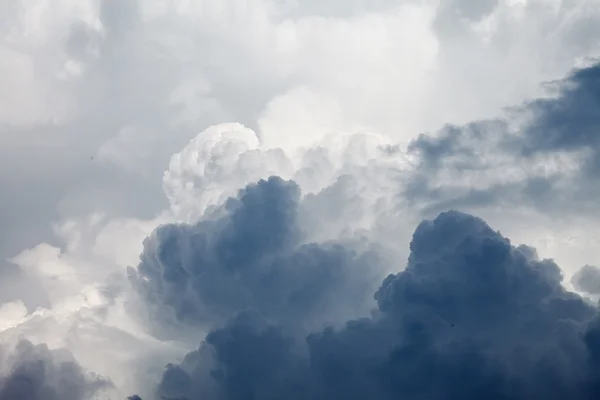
109	126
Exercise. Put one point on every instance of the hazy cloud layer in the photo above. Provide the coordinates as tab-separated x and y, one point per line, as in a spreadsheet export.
130	84
543	154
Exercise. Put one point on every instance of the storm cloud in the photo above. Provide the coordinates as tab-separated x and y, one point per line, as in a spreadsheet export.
470	316
33	372
252	253
542	154
587	279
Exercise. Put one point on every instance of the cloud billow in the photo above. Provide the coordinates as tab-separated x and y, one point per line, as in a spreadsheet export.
38	373
471	316
251	254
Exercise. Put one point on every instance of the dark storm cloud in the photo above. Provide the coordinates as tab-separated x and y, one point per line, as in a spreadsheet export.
567	123
470	317
252	254
569	120
587	279
37	373
452	14
592	377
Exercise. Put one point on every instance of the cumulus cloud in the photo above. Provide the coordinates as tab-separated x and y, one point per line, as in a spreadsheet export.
471	316
101	103
255	256
358	173
276	246
33	372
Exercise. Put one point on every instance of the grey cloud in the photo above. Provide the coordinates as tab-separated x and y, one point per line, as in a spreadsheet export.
338	9
571	120
37	373
119	17
562	125
587	279
15	286
455	144
471	316
55	157
452	14
565	121
252	254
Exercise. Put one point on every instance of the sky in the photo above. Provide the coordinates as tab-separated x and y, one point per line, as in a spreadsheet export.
299	199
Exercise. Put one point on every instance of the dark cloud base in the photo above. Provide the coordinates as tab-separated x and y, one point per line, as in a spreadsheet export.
565	123
470	317
37	373
587	280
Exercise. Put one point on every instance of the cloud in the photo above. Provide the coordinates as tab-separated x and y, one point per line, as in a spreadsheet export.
98	98
569	121
470	316
131	84
33	372
88	79
86	308
214	165
90	308
541	154
200	273
587	279
535	163
253	255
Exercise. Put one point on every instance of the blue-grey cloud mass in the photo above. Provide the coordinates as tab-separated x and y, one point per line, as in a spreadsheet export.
37	373
470	316
555	147
253	255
